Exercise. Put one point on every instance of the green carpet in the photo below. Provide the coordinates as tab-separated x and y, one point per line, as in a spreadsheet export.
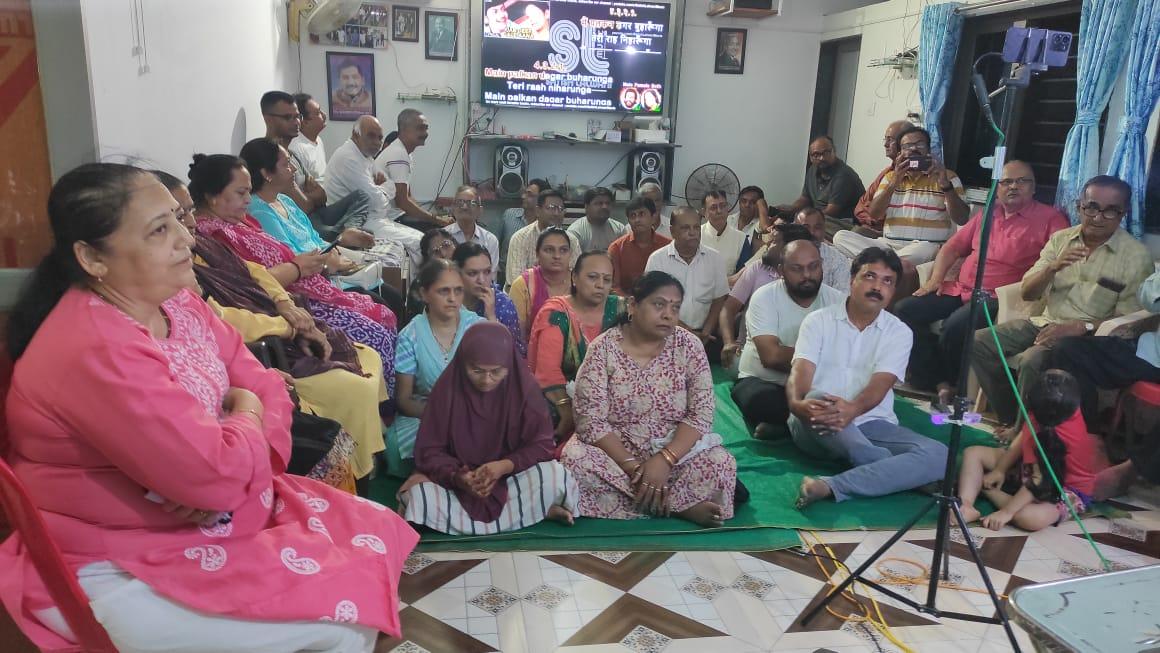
771	471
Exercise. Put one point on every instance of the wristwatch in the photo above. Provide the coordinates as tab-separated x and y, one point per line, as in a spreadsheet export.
1089	328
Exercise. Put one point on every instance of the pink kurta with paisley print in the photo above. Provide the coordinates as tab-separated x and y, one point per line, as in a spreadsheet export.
616	397
100	413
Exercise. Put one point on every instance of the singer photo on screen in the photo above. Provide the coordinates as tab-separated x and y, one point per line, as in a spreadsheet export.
351	80
587	55
730	51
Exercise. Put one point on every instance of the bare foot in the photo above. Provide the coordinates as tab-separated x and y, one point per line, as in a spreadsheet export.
560	514
945	393
1114	481
811	490
970	513
706	513
1008	433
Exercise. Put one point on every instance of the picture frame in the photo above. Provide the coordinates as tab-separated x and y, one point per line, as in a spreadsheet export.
405	24
729	56
369	28
441	42
350	84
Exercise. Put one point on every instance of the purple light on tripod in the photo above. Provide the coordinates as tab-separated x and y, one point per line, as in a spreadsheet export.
942	419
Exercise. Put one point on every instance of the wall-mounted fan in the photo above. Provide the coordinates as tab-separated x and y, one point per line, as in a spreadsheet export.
712	176
328	15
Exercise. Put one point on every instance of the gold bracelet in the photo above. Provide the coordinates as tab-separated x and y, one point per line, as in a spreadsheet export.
669	456
563	402
252	412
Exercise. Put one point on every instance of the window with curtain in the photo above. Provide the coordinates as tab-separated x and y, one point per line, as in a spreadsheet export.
1042	113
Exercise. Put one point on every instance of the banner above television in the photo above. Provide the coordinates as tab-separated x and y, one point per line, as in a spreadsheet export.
587	55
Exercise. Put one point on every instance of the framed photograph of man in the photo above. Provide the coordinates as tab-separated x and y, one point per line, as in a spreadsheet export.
350	78
442	36
730	51
405	24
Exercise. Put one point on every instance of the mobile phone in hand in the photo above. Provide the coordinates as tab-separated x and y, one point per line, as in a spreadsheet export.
329	248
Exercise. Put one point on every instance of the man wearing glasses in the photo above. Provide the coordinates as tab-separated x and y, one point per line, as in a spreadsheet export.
1087	274
919	203
1020	227
831	187
465	208
869	225
521	253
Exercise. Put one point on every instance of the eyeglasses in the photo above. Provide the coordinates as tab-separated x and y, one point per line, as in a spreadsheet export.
288	117
552	209
1021	181
919	147
1092	209
467	204
447	244
181	213
820	153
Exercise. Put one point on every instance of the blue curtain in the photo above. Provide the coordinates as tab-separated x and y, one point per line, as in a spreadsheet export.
942	29
1130	161
1104	26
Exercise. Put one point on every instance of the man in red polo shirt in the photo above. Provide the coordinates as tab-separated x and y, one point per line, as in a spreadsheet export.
630	252
1020	229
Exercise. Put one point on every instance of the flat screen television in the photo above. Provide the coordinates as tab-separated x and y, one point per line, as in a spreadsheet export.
586	55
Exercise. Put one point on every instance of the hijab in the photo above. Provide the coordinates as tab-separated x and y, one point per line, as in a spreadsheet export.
465	428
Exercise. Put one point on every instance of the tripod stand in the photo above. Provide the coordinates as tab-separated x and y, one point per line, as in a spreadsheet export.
948	504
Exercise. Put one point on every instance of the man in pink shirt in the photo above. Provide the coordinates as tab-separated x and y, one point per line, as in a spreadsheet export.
1020	229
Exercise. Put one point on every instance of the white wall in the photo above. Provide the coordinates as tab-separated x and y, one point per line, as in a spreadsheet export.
209	63
756	123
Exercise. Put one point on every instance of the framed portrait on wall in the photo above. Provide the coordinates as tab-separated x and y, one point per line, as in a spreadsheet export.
350	80
405	24
731	44
367	28
442	42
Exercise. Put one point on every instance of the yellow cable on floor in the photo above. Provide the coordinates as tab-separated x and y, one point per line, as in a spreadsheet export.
852	596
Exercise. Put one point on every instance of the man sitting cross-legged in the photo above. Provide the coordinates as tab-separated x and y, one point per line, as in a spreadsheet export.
846	361
775	314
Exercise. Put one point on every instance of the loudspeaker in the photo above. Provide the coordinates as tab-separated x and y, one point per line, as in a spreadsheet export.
647	166
511	170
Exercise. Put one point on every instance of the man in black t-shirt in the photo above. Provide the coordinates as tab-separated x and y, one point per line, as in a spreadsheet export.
831	187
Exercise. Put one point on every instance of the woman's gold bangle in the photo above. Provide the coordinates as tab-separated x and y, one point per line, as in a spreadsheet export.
669	456
563	402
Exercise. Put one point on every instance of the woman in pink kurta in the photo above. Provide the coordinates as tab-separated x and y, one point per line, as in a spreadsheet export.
155	446
644	413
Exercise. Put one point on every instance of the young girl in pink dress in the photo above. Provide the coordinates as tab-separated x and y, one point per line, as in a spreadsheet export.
155	446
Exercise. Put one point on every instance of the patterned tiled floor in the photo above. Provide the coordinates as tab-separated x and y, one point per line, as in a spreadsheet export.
738	602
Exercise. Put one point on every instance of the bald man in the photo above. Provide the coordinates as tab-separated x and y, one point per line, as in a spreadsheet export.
775	315
831	187
351	168
1020	229
869	225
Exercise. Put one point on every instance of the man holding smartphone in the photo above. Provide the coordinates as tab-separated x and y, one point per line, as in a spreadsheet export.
919	202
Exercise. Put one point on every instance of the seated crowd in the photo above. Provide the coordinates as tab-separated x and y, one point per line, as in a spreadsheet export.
567	368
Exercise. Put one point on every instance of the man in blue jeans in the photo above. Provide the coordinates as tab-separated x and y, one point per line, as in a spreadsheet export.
846	361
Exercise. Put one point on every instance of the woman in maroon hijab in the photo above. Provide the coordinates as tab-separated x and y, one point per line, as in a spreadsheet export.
483	457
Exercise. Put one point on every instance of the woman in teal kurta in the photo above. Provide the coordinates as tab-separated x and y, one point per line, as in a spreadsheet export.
423	350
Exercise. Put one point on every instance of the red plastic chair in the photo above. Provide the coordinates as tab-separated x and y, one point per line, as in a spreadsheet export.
24	518
1140	397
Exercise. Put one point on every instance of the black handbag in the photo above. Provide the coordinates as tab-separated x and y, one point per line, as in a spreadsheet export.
312	437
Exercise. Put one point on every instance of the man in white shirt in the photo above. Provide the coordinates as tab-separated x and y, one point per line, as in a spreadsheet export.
397	164
775	314
747	219
702	273
596	230
717	233
308	154
351	168
515	219
521	253
835	264
466	209
848	357
654	192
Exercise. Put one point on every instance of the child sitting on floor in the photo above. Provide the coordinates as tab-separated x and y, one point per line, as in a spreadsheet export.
1073	453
